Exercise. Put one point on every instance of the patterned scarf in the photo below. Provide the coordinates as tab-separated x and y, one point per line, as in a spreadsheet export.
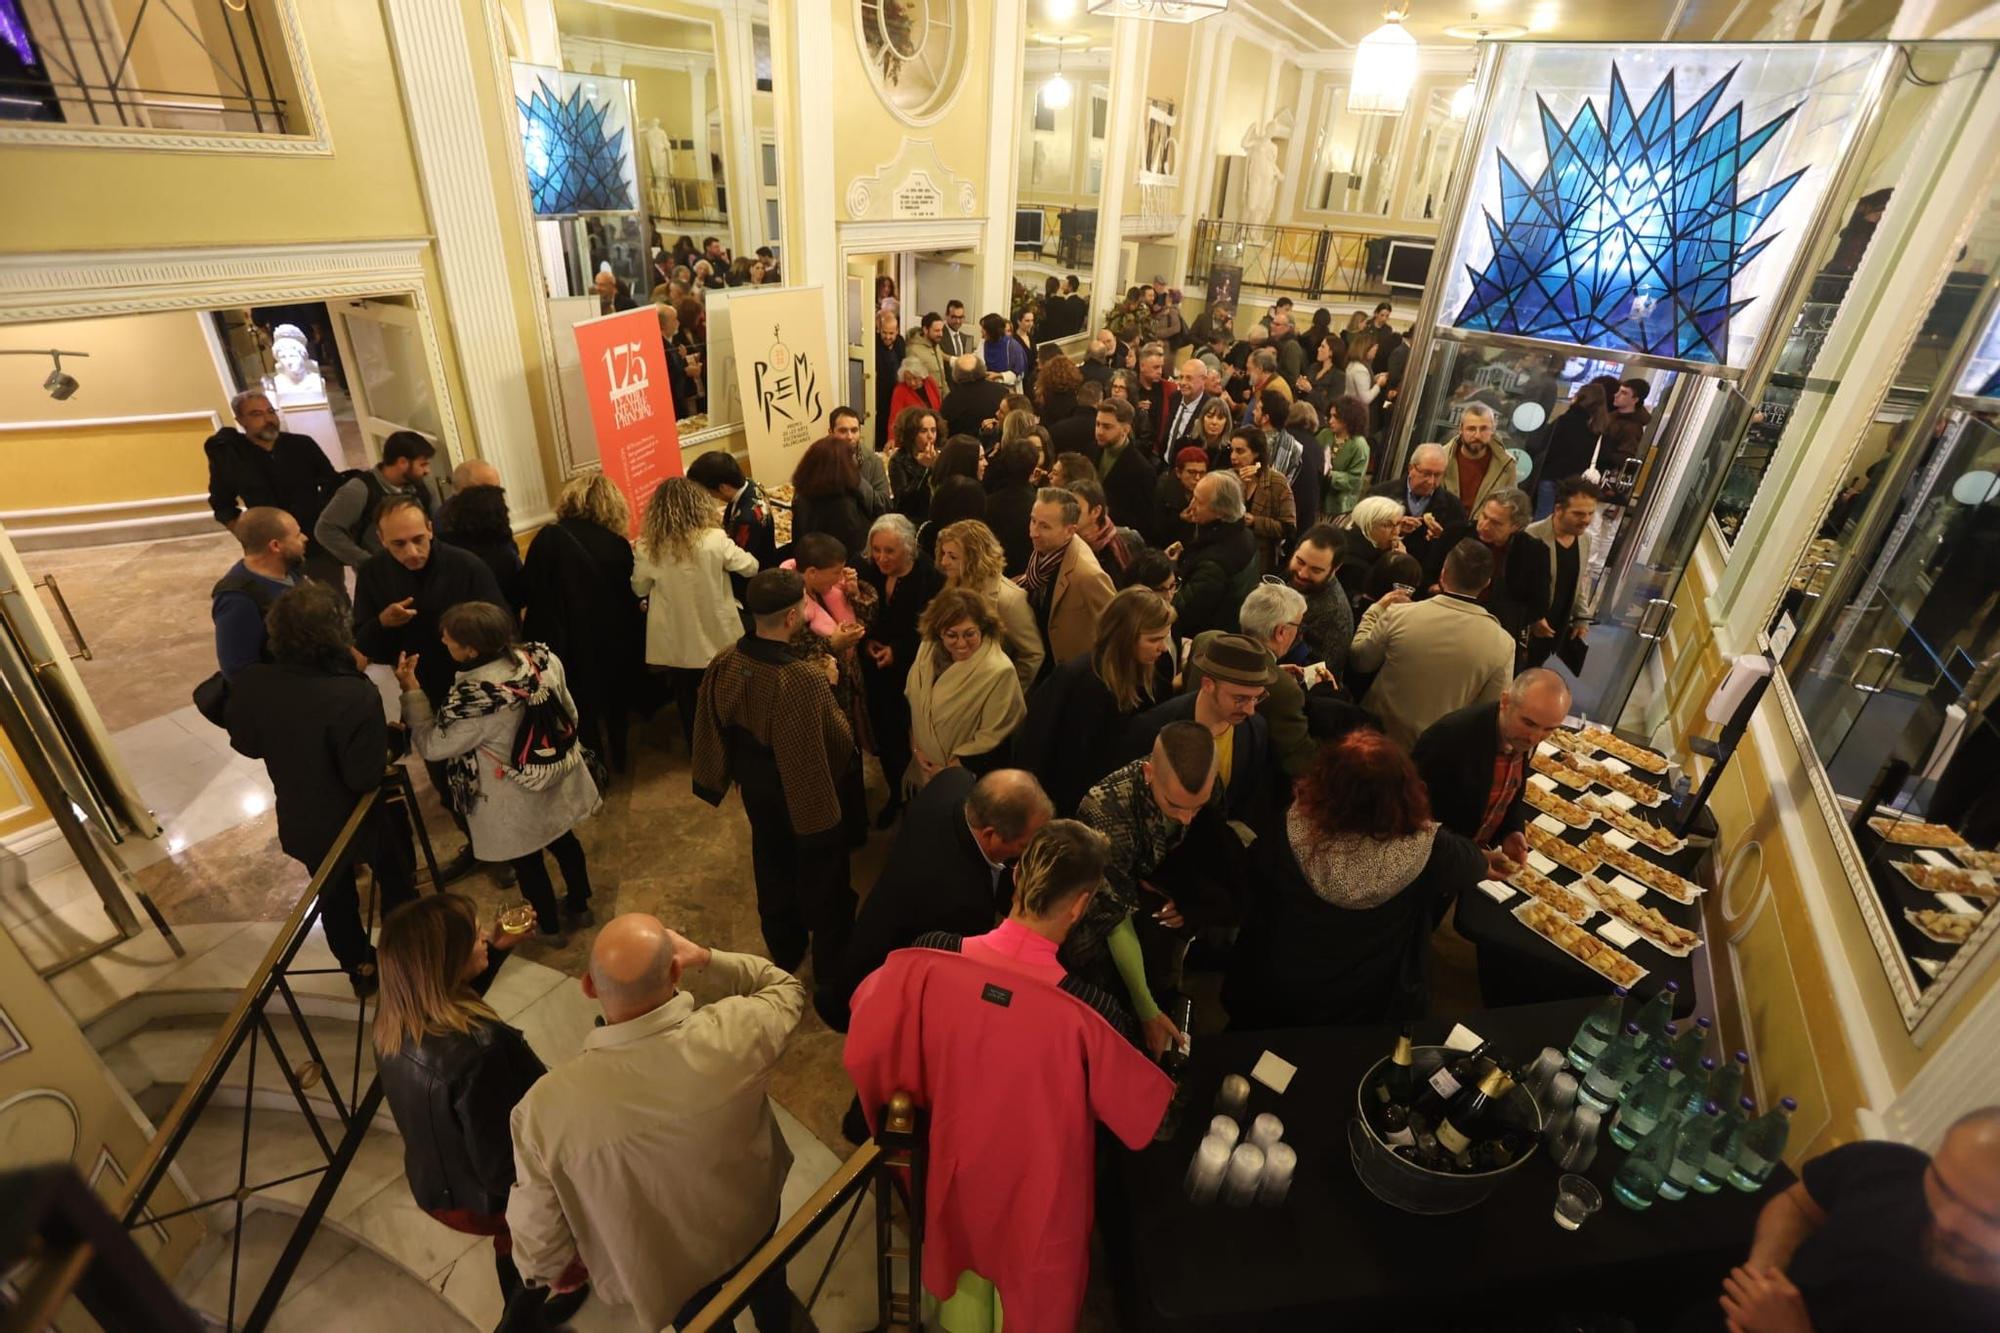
1040	577
471	699
1106	541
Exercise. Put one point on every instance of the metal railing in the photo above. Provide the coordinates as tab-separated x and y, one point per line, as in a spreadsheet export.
77	66
74	1247
890	1168
248	1026
1313	262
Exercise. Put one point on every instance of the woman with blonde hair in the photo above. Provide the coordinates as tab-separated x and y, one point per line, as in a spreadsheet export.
682	568
453	1072
969	556
1211	432
1373	531
578	581
965	700
1077	717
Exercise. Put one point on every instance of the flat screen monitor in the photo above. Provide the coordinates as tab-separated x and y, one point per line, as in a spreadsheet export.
1028	229
1408	265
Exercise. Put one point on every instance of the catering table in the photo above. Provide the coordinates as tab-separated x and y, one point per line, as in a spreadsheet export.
1334	1256
1517	966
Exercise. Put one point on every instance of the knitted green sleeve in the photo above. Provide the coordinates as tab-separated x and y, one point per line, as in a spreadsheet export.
1123	943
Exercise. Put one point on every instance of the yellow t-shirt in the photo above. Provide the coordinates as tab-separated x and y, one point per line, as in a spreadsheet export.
1225	757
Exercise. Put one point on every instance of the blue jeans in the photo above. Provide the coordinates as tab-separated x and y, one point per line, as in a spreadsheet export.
1545	498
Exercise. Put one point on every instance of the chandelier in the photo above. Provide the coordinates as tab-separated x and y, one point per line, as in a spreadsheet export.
1159	11
1385	68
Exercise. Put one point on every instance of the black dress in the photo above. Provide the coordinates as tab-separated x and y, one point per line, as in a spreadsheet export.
1073	731
577	581
844	516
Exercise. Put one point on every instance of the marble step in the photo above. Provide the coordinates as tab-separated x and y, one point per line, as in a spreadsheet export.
340	1283
154	1062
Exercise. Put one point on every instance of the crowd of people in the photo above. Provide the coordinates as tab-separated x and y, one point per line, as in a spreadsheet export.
1155	682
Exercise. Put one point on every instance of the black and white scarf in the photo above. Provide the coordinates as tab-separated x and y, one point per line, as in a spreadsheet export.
471	699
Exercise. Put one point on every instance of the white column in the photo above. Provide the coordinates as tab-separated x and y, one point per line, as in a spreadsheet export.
1202	175
1003	156
813	256
1198	108
1130	40
434	66
698	77
739	64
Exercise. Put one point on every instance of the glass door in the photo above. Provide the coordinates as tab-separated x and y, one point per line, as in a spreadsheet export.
382	344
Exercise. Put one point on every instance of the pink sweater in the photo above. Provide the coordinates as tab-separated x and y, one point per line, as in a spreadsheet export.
829	611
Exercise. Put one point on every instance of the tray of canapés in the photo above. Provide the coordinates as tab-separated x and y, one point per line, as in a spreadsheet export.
1599	739
1656	929
1537	885
1913	833
1579	772
1949	879
1556	807
1562	853
1987	861
1579	943
1659	838
1655	877
1943	927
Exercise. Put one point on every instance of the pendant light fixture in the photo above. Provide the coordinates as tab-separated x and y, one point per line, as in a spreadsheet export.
1385	69
1159	11
1056	92
1461	99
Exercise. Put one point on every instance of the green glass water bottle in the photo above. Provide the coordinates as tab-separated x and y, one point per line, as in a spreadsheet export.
1715	1168
1599	1029
1605	1083
1638	1180
1643	1105
1697	1082
1761	1144
1697	1135
1654	1016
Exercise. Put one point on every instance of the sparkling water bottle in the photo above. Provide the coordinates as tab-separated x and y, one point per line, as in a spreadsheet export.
1605	1083
1644	1104
1725	1085
1715	1168
1760	1145
1696	1084
1654	1016
1638	1180
1697	1135
1687	1050
1600	1028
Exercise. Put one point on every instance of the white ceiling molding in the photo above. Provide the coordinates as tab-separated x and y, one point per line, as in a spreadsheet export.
1308	19
1455	58
1248	25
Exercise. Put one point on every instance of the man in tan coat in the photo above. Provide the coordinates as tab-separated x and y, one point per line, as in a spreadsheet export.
1067	588
1475	466
654	1155
1435	656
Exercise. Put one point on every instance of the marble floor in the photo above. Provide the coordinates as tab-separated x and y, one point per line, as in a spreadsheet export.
654	847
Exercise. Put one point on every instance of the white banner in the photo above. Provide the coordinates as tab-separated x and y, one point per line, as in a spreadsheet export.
786	376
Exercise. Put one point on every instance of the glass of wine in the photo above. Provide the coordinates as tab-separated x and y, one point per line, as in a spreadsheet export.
1576	1200
518	918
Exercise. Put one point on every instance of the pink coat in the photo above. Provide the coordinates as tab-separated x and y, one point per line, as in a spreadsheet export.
827	613
1015	1074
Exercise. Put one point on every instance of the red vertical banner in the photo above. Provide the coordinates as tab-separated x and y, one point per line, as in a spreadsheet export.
624	363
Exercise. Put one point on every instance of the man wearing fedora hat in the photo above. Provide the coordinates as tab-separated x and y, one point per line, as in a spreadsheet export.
1235	674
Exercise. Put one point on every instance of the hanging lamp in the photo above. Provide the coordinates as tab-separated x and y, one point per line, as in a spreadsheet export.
1385	69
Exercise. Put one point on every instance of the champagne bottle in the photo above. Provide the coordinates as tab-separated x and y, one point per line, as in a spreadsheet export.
1605	1083
1599	1029
1446	1081
1175	1064
1721	1160
1470	1119
1644	1104
1395	1092
1697	1135
1760	1145
1696	1084
1654	1016
1638	1180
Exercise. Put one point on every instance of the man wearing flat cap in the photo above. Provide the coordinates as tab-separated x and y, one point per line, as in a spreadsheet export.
768	722
1235	674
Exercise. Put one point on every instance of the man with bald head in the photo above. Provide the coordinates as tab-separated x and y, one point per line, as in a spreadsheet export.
1878	1235
972	405
1433	519
951	869
653	1156
1475	760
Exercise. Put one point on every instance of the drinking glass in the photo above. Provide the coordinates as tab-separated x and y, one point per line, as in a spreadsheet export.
1576	1199
517	919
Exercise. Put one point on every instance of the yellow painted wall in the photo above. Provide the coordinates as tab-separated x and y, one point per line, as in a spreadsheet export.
21	804
100	199
867	134
138	365
102	464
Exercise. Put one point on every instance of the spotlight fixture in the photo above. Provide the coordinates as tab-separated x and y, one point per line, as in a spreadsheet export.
60	384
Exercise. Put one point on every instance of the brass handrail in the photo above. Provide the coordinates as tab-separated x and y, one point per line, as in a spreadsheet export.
179	1120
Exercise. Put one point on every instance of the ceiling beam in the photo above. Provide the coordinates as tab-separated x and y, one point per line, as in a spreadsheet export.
1340	43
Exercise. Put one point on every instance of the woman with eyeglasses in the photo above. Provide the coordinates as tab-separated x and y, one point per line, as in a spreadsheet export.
1174	492
1077	716
965	698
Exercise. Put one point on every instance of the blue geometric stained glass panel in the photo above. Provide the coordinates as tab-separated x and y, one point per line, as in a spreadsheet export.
1632	234
577	144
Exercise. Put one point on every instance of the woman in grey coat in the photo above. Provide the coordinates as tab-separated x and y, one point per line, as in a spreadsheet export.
515	807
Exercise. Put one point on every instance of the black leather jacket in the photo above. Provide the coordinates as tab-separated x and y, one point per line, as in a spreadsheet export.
452	1095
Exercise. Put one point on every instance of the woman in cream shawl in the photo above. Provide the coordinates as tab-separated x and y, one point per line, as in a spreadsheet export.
965	698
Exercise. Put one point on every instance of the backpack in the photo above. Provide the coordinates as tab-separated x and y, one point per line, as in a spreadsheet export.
211	697
371	481
545	744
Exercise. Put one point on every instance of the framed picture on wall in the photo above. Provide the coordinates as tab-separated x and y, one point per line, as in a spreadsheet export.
1161	164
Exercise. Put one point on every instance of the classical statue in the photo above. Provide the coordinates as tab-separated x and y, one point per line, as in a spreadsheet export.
1261	171
296	381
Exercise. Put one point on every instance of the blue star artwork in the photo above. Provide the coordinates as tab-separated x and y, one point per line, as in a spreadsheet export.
574	166
1633	234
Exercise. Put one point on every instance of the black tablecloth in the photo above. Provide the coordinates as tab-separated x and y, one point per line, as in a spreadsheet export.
1517	966
1334	1256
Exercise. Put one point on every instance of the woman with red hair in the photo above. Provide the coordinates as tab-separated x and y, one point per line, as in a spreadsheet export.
1340	933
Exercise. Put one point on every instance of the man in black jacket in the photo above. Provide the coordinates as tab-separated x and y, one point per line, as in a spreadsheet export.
1518	595
1433	519
1474	761
1125	469
399	596
950	869
973	405
1077	432
258	462
317	723
1219	567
